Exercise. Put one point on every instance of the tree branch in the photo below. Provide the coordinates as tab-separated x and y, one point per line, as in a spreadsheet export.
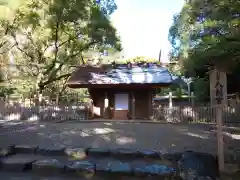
82	59
55	44
64	86
56	40
56	79
69	39
24	52
37	49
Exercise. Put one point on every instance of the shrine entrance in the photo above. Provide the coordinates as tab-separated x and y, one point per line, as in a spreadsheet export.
121	106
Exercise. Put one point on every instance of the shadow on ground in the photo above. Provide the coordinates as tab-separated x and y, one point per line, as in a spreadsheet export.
164	137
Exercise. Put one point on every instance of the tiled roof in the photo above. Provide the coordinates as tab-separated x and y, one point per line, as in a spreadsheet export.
120	75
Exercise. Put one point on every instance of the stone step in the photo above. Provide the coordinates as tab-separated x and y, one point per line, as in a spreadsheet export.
94	152
231	157
31	176
94	162
87	167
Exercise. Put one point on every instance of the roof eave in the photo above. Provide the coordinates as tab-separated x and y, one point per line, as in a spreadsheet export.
147	85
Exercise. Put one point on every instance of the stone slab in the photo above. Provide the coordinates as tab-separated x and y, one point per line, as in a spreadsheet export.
31	176
48	166
5	151
17	163
25	149
103	166
154	170
198	165
76	153
171	156
121	168
98	152
81	168
124	153
51	151
149	153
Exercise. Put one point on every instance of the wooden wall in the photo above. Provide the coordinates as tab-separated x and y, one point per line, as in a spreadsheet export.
142	101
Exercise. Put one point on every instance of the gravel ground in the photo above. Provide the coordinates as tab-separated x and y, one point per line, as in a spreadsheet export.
113	135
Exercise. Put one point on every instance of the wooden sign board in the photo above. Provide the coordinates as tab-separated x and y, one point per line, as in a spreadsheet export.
218	93
218	87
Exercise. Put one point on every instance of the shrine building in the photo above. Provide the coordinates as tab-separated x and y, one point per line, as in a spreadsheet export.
121	91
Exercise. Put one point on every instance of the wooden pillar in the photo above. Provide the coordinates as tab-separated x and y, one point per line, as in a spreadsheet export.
170	100
106	104
150	104
133	106
220	138
218	93
192	99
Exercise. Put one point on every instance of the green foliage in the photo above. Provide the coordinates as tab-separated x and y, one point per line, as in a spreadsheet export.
138	59
108	6
47	38
6	91
142	59
201	89
206	33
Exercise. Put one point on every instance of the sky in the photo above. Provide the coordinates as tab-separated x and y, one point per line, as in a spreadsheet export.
143	26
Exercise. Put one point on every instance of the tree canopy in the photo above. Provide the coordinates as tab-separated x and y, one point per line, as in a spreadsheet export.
47	38
205	34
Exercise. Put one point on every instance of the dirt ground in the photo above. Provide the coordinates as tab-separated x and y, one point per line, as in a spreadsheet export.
161	137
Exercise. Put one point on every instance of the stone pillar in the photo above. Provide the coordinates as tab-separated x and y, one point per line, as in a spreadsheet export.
106	104
133	106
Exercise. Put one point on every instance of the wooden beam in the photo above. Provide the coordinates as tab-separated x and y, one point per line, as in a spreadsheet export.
220	138
150	104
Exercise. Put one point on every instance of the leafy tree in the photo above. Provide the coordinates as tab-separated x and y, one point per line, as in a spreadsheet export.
201	89
49	37
107	6
206	33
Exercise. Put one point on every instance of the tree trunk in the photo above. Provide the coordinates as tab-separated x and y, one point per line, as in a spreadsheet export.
38	97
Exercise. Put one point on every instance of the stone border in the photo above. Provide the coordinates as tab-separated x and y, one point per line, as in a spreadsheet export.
85	169
7	151
81	167
89	168
129	121
123	153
